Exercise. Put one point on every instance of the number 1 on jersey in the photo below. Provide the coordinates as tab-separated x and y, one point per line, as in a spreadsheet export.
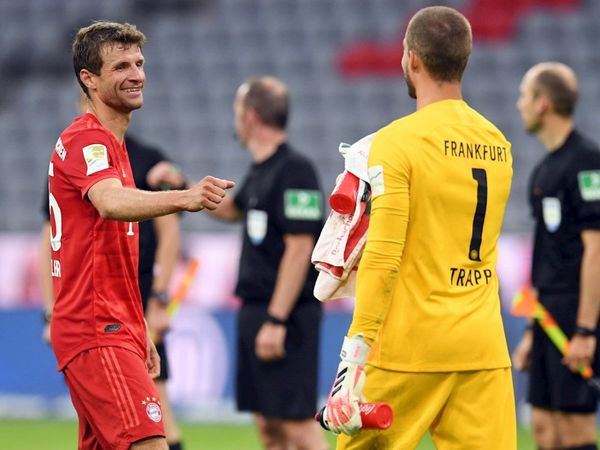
480	176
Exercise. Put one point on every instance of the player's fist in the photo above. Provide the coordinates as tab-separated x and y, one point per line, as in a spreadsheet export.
208	193
342	412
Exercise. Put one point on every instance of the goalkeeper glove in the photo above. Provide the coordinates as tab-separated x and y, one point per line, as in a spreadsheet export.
342	412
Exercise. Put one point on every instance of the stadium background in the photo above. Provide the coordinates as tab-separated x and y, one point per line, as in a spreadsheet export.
341	59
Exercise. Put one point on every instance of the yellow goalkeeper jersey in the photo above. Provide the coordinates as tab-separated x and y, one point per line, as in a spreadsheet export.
427	290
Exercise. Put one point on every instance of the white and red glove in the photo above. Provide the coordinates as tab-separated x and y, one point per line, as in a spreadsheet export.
342	413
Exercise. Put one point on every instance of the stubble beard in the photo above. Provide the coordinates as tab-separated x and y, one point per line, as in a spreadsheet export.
534	127
412	92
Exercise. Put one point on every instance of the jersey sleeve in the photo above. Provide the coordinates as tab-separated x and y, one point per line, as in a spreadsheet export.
586	193
90	158
299	200
389	174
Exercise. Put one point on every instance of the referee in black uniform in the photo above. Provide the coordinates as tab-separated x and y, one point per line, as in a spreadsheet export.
564	194
278	324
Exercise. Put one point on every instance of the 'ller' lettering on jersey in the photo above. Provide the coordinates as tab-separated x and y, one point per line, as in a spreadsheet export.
55	267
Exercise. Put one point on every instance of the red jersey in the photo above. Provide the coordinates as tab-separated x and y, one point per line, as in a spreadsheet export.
94	261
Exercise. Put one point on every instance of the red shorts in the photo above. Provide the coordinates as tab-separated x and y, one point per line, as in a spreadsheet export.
115	399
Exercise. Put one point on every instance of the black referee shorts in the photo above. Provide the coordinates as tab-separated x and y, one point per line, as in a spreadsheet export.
164	361
552	385
283	389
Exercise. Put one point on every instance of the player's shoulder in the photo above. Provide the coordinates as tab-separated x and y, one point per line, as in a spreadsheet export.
397	136
480	121
400	125
85	130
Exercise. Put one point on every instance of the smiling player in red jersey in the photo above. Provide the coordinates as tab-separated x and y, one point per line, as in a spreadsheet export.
98	330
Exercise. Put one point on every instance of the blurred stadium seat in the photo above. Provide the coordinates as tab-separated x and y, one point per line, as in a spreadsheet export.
197	56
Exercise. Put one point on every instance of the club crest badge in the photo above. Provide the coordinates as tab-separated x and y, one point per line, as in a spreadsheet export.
551	212
153	410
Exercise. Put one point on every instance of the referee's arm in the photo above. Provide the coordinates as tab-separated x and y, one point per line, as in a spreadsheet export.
583	345
227	210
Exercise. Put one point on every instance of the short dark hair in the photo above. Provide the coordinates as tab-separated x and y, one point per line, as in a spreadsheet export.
89	41
562	95
269	98
442	39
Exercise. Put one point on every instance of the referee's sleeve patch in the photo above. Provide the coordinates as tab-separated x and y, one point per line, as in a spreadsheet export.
589	185
302	204
376	180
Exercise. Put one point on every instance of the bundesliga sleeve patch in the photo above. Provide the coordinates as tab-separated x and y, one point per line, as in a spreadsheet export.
589	185
302	204
96	158
376	180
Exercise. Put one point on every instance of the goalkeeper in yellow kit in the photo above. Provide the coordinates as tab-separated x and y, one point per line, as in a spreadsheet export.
427	334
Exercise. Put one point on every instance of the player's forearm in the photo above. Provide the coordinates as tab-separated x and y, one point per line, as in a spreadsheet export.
167	250
291	277
125	204
589	297
46	287
374	292
380	263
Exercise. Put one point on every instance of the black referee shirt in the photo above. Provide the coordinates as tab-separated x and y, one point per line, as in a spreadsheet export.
564	194
278	196
142	158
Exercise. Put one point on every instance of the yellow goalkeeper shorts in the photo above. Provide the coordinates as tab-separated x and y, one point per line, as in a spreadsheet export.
472	410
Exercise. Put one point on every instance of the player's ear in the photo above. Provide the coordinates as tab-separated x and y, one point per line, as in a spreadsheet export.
251	115
414	62
88	79
542	105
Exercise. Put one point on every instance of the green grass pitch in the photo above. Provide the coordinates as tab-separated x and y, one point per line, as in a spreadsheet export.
62	435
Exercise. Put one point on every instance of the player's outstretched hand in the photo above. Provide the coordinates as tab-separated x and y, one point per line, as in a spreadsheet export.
208	193
342	413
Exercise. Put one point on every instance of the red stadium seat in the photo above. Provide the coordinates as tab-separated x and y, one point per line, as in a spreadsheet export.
492	21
